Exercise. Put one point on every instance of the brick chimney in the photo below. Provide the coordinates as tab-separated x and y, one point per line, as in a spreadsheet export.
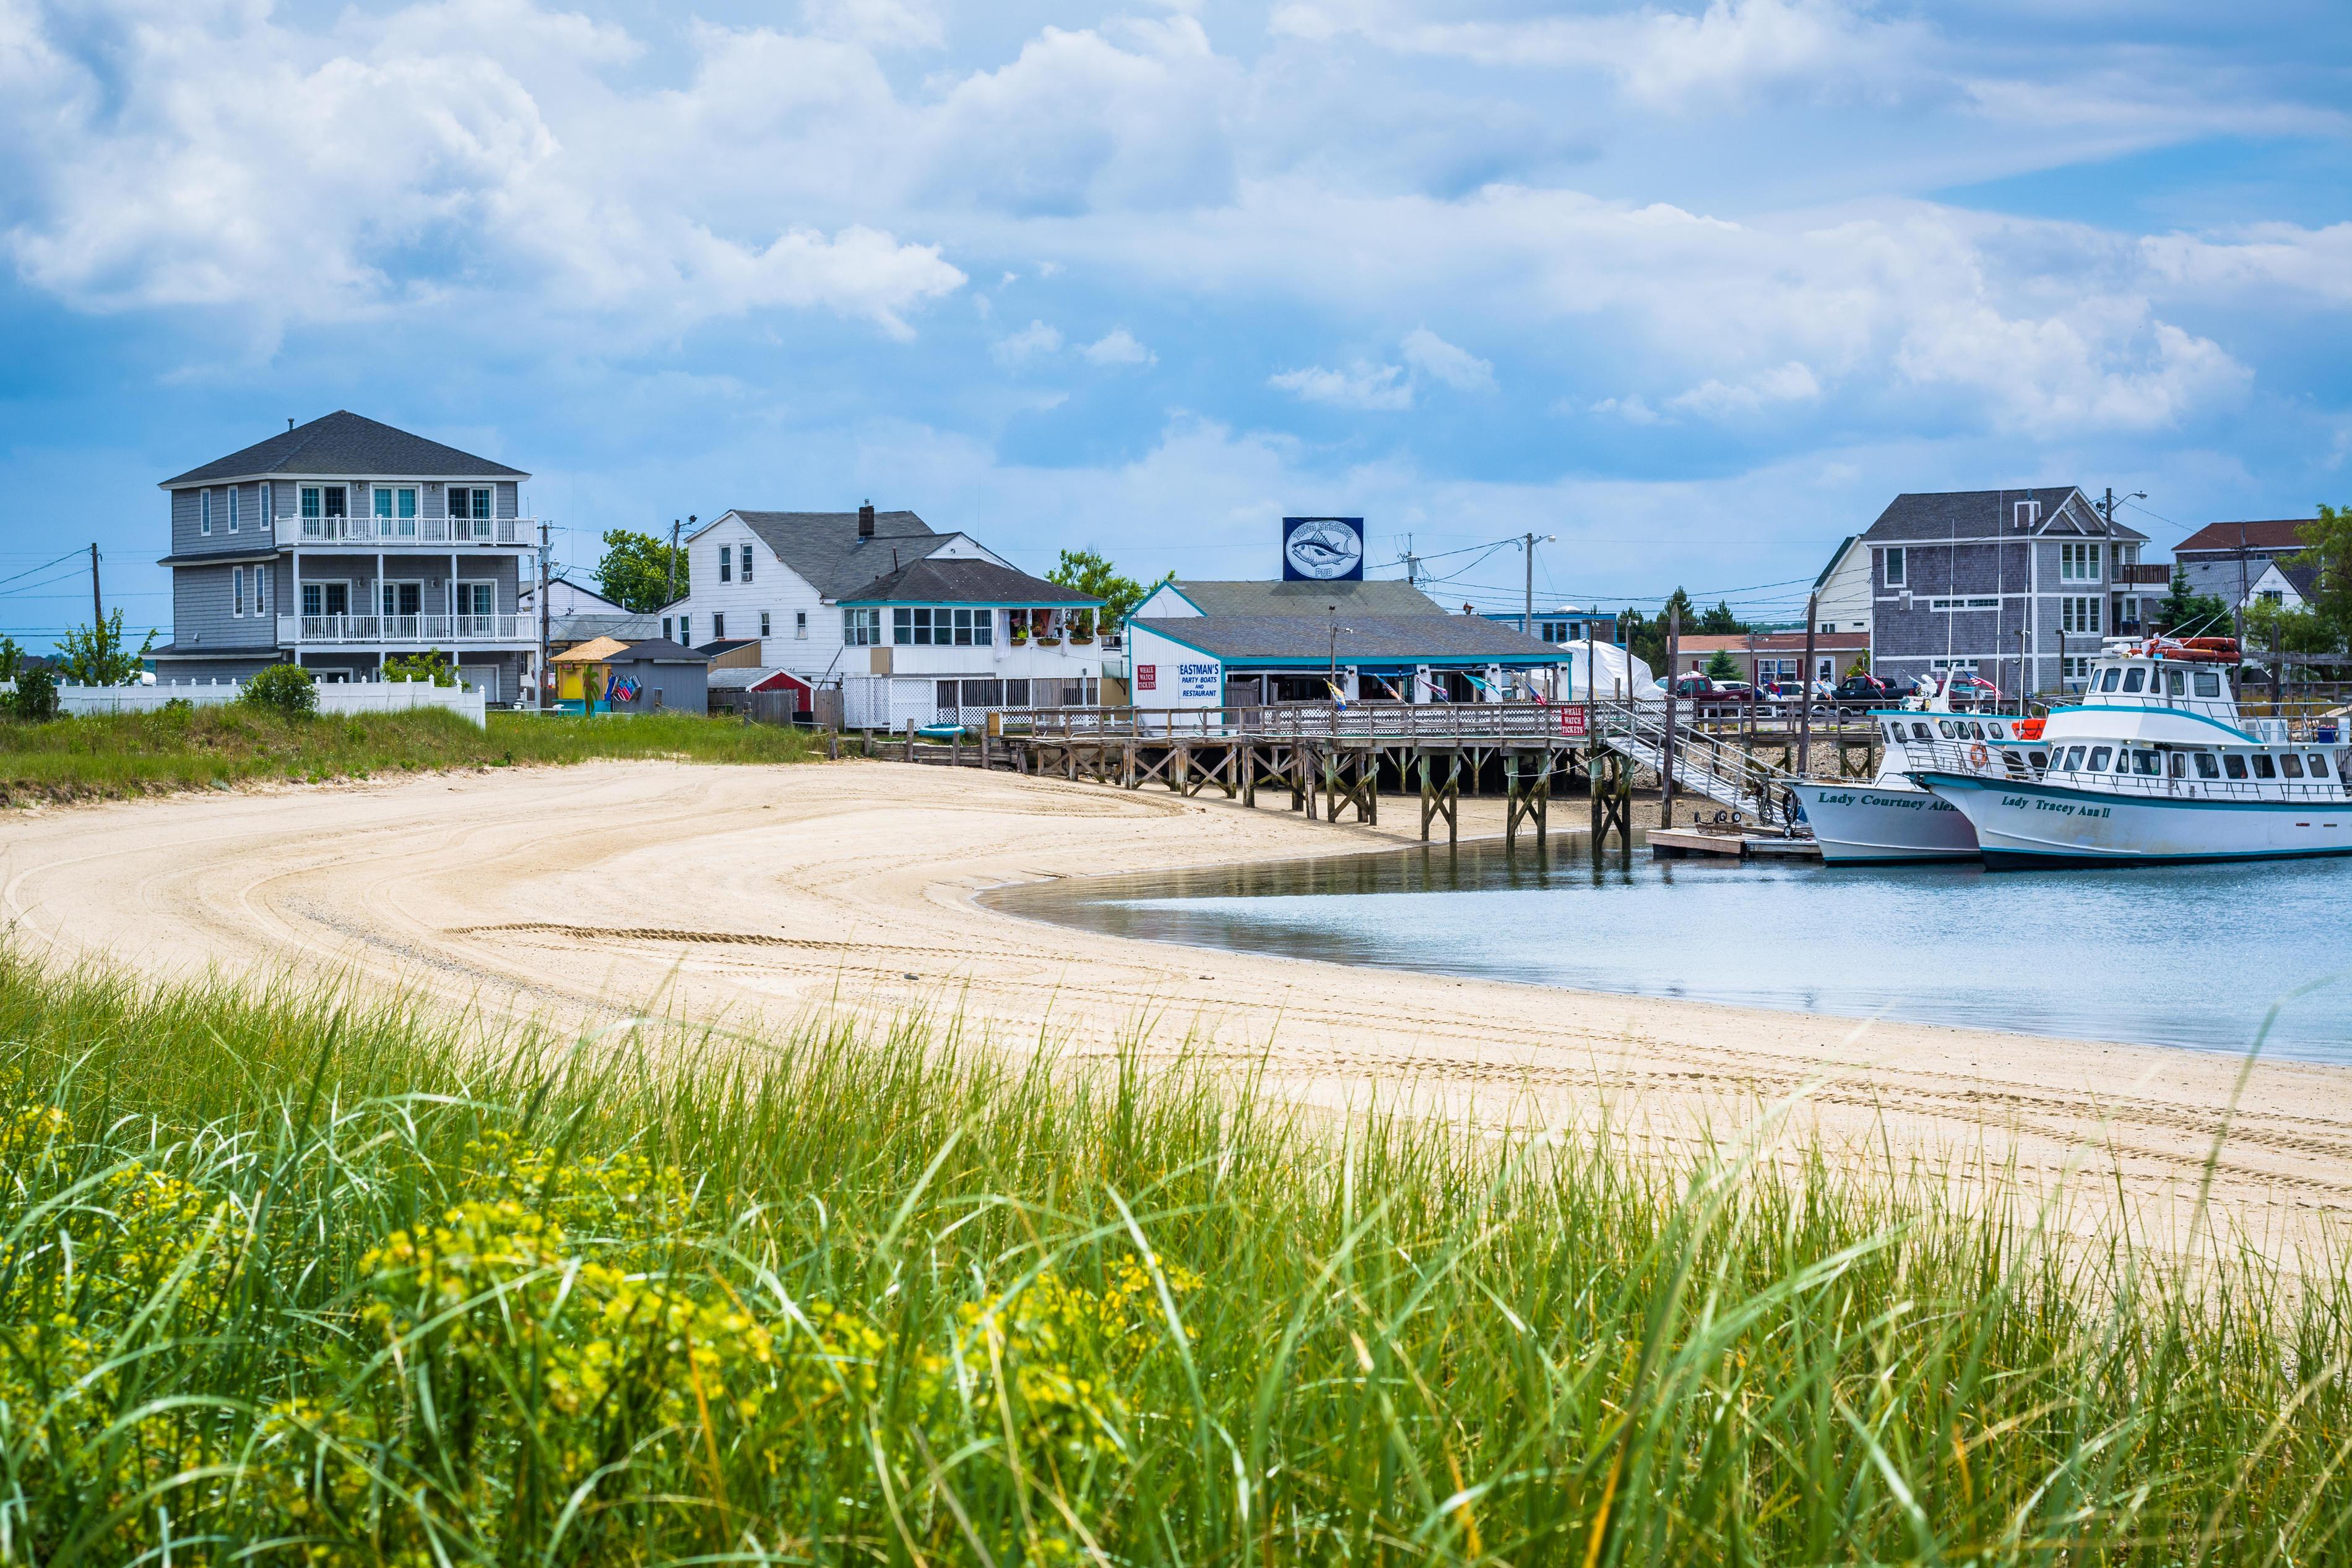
865	521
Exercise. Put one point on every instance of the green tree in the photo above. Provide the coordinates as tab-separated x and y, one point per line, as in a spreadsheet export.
1720	667
1679	600
12	659
1718	622
636	571
2277	635
34	699
97	655
1091	573
2186	614
2327	550
431	667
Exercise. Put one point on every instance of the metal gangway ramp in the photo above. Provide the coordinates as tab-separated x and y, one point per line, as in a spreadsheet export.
1705	763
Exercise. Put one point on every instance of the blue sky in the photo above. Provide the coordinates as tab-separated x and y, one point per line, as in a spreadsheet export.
1694	287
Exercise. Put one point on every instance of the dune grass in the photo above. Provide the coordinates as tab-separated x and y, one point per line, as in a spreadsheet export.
111	756
287	1279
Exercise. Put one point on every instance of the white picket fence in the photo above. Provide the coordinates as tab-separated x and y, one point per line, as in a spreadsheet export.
469	702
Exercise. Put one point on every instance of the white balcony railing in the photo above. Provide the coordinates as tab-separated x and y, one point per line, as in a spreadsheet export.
421	629
391	533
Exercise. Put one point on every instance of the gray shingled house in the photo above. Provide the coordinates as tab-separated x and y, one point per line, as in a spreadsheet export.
342	542
1979	580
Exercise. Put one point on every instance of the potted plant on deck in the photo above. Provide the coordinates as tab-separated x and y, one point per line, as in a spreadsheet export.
1041	627
1082	629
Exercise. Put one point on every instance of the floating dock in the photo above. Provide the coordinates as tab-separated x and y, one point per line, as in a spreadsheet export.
1679	843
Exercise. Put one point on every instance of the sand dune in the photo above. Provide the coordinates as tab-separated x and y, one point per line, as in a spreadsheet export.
754	894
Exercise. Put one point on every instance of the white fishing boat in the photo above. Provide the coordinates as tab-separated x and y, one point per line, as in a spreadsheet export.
1892	821
2155	765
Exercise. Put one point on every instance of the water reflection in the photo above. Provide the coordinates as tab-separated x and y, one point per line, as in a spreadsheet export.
2190	955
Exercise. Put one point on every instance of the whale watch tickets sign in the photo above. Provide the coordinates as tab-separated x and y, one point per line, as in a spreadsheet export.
1323	550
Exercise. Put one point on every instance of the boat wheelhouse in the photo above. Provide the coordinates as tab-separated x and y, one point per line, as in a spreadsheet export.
2155	765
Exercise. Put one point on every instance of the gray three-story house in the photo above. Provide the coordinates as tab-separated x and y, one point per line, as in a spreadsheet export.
2018	586
343	542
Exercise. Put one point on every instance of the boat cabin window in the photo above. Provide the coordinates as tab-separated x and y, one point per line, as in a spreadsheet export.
2176	683
2233	765
2207	768
2133	680
2000	730
1894	732
2209	683
2073	762
1944	726
2179	764
2292	764
2319	765
2107	682
2039	758
1920	730
2098	759
2264	768
2145	763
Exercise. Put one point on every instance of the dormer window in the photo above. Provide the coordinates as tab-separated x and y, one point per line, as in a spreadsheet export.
2028	513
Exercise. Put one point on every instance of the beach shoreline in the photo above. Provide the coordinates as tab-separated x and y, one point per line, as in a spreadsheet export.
754	894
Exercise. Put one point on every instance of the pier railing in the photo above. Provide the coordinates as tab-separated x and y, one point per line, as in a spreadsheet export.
1425	723
2150	775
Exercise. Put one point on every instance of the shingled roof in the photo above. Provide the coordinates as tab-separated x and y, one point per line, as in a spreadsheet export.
932	580
1404	639
1386	597
2275	535
1929	516
343	442
825	549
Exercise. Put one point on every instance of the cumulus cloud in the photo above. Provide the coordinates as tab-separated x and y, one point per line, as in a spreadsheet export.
1118	347
1432	355
886	23
1791	382
1028	343
1664	57
1362	385
1633	408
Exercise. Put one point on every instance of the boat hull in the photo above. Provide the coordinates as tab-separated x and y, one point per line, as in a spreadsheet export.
2027	825
1869	824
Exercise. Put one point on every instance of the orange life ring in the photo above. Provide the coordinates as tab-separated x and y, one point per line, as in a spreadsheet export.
1979	756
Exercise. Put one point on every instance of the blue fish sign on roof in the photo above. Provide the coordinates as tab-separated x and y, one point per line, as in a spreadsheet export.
1323	550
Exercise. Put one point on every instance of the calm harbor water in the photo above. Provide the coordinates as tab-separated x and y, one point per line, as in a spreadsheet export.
2181	955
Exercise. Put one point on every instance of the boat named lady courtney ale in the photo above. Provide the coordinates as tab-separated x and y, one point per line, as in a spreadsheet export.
1891	820
2154	765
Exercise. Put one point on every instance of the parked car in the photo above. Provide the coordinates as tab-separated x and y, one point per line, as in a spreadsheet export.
1869	689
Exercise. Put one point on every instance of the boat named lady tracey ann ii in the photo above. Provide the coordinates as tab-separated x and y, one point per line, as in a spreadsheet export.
1892	821
2156	764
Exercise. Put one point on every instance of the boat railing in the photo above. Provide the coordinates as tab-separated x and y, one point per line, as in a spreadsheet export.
1962	756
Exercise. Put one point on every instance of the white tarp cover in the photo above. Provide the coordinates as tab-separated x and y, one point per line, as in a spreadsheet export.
1616	671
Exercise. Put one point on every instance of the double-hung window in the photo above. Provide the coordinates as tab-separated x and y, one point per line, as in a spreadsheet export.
726	560
2079	612
232	509
204	511
261	590
747	563
1895	567
2078	562
763	622
861	628
236	590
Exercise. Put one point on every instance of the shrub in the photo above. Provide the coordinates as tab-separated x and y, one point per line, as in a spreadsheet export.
289	689
34	699
430	667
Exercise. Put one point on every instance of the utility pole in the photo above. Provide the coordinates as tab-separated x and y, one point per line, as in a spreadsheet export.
669	586
1412	564
543	617
1527	605
2238	621
96	608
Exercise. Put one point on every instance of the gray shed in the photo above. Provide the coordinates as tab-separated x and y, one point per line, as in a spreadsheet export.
668	675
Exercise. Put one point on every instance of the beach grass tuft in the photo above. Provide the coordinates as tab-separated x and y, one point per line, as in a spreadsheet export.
289	1278
115	756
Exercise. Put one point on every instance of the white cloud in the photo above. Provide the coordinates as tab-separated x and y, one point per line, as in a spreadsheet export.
1426	351
1664	58
1630	408
2257	259
1363	385
1032	340
886	23
1791	382
1118	347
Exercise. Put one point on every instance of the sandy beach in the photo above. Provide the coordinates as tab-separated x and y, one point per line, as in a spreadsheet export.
757	895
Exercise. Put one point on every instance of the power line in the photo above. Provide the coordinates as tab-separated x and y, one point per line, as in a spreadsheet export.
44	566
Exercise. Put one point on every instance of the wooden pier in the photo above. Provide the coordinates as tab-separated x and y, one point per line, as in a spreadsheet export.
1333	763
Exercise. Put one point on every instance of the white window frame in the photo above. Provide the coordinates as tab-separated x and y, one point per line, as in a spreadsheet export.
764	623
743	557
232	509
685	628
719	625
2078	615
725	563
490	585
2027	513
1896	566
236	592
205	512
2078	561
322	584
269	497
799	625
861	627
393	585
260	593
403	528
